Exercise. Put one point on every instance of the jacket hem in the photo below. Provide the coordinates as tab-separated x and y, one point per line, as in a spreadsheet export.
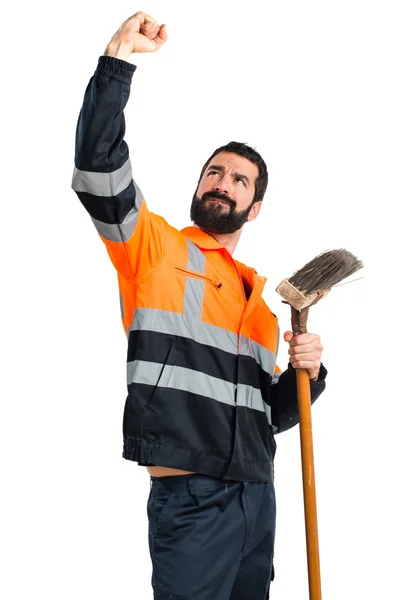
201	462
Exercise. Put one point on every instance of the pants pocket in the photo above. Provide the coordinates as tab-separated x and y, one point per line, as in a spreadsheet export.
155	507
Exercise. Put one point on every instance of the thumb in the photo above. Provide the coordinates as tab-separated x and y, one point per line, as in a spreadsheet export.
288	336
162	34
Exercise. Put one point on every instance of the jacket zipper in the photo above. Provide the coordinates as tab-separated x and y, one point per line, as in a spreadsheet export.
199	276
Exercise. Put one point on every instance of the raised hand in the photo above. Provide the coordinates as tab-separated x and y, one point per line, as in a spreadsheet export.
139	33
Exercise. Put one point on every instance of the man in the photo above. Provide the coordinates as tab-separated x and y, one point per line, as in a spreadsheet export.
205	396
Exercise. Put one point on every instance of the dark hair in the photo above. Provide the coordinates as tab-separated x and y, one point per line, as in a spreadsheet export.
251	155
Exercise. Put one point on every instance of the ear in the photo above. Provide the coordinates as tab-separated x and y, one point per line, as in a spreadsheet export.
254	211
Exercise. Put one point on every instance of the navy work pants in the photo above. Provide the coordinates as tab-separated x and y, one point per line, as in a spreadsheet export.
211	539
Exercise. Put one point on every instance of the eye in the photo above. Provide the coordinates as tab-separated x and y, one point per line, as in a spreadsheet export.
213	173
241	180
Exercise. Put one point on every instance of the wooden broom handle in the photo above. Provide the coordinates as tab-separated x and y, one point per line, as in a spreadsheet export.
299	325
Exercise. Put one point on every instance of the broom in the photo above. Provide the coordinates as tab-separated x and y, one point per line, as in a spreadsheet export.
302	290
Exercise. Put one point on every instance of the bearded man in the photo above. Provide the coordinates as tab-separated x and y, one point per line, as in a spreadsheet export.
205	396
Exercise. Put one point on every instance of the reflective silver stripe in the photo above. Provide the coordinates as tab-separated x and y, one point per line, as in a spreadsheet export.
138	196
180	378
193	298
250	397
102	184
263	357
161	321
196	258
121	304
195	382
121	232
275	377
267	409
194	288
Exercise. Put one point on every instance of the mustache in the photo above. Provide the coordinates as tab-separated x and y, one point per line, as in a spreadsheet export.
219	196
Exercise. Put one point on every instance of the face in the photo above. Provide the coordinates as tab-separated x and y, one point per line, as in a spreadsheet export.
223	200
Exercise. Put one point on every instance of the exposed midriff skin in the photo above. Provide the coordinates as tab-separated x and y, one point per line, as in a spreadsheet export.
165	471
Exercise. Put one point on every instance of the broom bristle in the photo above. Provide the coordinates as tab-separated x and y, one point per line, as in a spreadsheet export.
325	271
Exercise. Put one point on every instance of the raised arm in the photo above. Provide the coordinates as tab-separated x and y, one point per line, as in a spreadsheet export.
102	175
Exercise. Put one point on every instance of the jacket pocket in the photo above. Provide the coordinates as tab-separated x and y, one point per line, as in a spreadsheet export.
165	372
161	376
200	276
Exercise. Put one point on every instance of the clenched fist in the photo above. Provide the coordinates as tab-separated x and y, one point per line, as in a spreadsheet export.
305	352
139	33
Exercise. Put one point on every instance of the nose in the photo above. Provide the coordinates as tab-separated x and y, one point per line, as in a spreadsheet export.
222	186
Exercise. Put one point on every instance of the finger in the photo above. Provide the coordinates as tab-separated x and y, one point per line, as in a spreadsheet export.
305	349
306	338
140	22
144	19
134	24
288	336
313	358
162	34
310	365
158	36
150	29
305	343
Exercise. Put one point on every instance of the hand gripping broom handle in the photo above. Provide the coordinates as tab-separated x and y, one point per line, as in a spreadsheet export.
299	325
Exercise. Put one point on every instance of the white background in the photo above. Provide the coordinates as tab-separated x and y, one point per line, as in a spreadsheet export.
314	87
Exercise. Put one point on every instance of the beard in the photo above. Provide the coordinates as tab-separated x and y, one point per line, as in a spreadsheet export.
213	217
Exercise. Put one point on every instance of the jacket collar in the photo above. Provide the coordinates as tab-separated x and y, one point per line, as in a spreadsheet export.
205	241
201	239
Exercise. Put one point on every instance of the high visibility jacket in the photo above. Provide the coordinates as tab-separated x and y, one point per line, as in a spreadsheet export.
204	391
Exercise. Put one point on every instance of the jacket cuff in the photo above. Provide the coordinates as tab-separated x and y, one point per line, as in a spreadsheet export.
321	375
116	69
